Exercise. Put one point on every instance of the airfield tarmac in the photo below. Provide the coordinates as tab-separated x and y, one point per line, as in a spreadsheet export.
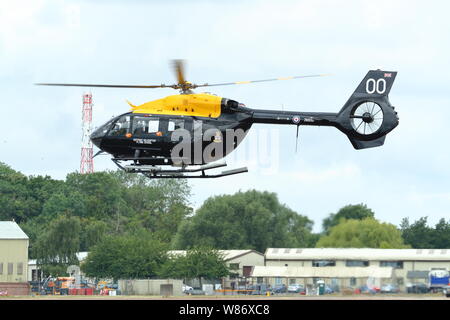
241	297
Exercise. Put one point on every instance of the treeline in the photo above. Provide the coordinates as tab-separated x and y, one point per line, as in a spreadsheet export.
85	212
62	218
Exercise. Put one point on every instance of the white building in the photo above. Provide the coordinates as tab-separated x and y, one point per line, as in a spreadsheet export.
13	259
241	262
350	267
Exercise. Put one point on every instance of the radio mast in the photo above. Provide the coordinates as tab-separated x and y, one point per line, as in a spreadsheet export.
86	163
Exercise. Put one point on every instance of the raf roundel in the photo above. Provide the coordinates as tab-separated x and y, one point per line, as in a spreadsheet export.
296	119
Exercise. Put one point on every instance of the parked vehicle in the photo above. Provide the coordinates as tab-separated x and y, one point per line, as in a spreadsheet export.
186	289
197	292
296	288
417	288
446	291
328	290
437	279
57	286
389	288
259	289
244	289
280	288
366	289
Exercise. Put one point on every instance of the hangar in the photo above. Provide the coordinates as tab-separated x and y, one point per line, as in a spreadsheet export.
350	267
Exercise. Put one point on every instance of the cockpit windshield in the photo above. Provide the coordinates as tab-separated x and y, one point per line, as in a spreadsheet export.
101	132
121	127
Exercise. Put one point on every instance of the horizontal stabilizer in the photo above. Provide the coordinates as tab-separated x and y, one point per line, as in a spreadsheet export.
361	144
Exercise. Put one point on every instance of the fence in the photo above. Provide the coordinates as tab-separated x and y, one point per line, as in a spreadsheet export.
157	287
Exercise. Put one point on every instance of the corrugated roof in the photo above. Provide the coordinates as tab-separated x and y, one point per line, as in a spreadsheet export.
227	254
324	272
357	254
11	230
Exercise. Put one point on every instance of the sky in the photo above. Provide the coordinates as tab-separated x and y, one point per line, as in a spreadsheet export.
132	42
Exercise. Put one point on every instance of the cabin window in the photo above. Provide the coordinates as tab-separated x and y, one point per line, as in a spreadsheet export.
393	264
145	125
121	127
234	266
323	263
20	268
356	263
175	124
10	268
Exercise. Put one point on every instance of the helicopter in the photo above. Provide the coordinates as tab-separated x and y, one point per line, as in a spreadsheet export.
186	134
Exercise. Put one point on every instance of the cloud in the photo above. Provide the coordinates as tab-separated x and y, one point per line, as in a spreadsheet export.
114	42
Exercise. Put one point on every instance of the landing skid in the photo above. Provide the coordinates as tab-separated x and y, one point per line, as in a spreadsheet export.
159	172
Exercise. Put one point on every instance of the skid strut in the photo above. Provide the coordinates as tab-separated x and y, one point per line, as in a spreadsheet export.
160	172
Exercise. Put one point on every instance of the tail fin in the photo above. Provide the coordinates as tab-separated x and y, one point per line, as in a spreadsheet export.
368	116
377	82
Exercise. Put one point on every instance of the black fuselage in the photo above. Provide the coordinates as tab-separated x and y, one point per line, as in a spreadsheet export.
157	139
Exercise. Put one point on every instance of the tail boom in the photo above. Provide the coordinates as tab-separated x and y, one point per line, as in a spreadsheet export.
365	118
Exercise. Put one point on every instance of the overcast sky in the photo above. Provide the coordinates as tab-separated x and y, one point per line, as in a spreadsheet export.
132	42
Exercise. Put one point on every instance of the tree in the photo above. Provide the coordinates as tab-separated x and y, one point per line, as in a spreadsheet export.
442	231
199	262
22	197
366	233
57	248
101	193
103	202
359	211
250	220
93	231
126	257
159	206
421	236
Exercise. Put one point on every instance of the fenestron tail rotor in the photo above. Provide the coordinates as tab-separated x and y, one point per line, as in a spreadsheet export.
182	84
367	118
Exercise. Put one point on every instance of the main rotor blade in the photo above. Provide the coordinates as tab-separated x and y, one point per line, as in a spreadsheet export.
255	81
178	65
104	85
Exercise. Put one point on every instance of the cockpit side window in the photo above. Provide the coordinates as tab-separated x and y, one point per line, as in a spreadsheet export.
175	124
121	127
145	125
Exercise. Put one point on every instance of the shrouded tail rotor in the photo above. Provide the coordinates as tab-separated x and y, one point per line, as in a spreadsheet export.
368	116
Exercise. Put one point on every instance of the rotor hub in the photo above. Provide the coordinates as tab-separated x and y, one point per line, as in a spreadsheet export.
367	117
